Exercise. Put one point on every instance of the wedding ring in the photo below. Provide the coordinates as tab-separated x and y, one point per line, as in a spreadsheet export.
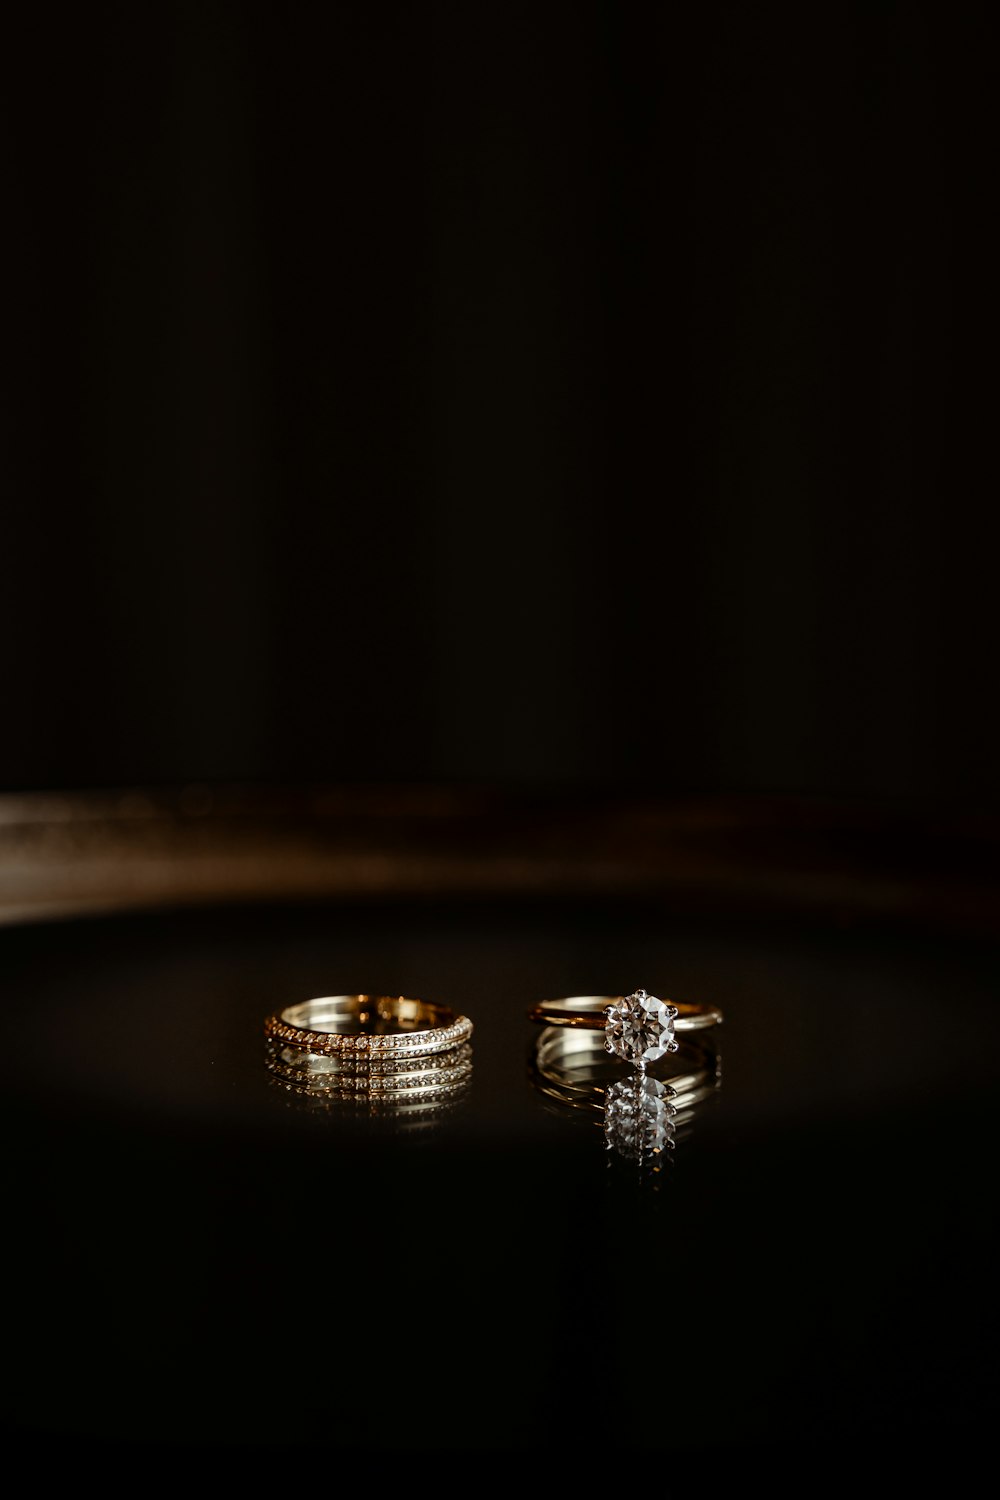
356	1029
639	1028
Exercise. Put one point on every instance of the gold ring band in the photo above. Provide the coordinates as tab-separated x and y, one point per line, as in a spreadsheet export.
363	1027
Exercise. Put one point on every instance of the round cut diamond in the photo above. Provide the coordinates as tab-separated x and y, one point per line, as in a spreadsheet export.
639	1028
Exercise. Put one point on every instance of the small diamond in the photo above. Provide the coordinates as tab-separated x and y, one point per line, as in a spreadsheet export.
639	1028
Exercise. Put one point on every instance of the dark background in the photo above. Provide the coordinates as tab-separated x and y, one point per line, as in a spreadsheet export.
587	400
526	394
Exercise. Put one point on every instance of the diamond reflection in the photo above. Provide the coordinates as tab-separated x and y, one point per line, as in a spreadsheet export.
643	1113
639	1117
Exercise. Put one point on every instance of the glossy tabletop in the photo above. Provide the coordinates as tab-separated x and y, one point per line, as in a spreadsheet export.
199	1257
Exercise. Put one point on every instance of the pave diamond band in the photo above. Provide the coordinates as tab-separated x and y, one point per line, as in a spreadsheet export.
638	1028
355	1028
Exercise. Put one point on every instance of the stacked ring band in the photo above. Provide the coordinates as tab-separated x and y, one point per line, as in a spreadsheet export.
386	1053
363	1027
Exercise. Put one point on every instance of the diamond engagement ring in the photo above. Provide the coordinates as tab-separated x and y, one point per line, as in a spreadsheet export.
639	1028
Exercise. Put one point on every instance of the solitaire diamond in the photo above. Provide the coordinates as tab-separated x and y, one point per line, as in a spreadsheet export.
639	1028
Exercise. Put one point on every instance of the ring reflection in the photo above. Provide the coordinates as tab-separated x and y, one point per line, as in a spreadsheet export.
414	1094
643	1113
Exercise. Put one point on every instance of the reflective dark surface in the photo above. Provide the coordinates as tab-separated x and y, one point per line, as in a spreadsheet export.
197	1257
